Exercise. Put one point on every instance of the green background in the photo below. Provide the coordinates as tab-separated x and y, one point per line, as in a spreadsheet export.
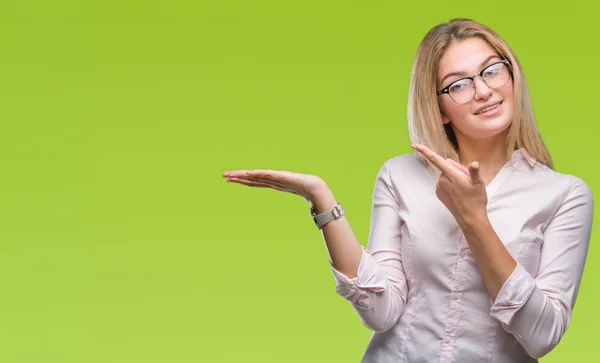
120	242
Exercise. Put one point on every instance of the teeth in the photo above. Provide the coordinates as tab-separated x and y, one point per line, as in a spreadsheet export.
488	108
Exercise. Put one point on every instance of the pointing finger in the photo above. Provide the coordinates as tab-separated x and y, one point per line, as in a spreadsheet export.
438	161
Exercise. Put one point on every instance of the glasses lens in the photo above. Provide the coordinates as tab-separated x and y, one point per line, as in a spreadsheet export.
496	75
462	91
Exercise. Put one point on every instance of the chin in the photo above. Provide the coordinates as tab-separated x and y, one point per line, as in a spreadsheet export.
487	129
490	132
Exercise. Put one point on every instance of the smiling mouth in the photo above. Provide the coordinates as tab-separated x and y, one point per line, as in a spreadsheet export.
490	108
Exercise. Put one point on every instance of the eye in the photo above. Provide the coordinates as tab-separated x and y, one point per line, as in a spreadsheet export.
459	86
493	70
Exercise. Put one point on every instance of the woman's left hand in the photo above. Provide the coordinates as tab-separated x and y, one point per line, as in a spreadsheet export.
460	189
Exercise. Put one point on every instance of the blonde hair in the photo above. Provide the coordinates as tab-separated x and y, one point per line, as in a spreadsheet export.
425	124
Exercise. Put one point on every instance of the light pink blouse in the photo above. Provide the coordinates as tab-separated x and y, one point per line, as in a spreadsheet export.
418	286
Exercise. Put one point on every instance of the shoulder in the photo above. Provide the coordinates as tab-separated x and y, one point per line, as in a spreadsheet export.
578	188
568	186
404	170
402	164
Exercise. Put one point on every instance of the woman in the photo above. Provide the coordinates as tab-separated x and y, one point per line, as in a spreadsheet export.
476	247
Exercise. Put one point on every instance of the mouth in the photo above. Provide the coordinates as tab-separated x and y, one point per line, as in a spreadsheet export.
489	109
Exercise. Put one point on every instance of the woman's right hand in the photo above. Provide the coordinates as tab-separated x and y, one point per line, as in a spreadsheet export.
305	185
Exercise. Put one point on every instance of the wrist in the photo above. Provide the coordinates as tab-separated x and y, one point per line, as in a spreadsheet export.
322	198
473	222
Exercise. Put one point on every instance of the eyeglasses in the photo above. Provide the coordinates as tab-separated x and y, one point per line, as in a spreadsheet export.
494	76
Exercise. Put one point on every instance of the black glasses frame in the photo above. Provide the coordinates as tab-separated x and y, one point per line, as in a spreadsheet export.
472	78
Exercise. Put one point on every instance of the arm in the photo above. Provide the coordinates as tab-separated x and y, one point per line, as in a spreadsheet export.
537	310
373	282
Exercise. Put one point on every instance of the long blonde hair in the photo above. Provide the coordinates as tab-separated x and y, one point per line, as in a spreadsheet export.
425	124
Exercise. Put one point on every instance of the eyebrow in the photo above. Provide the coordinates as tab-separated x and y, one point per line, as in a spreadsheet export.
464	73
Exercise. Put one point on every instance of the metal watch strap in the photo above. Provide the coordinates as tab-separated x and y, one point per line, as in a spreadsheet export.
327	216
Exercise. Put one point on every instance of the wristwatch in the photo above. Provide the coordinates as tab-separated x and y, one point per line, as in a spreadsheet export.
328	216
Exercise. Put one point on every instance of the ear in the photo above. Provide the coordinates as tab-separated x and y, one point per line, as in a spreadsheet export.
445	119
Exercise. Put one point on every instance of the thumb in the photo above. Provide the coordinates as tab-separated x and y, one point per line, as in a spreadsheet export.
474	171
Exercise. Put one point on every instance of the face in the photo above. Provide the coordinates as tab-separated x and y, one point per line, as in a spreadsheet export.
464	59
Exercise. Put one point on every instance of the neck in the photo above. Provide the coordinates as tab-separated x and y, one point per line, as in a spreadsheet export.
489	153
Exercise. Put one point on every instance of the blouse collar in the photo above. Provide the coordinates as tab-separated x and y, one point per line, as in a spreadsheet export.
522	154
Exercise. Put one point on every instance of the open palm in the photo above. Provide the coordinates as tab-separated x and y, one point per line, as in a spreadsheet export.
304	185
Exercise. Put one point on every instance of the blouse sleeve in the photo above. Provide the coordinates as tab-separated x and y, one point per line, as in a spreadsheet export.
378	293
537	311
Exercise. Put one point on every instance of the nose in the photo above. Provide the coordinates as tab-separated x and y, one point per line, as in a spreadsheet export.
482	91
